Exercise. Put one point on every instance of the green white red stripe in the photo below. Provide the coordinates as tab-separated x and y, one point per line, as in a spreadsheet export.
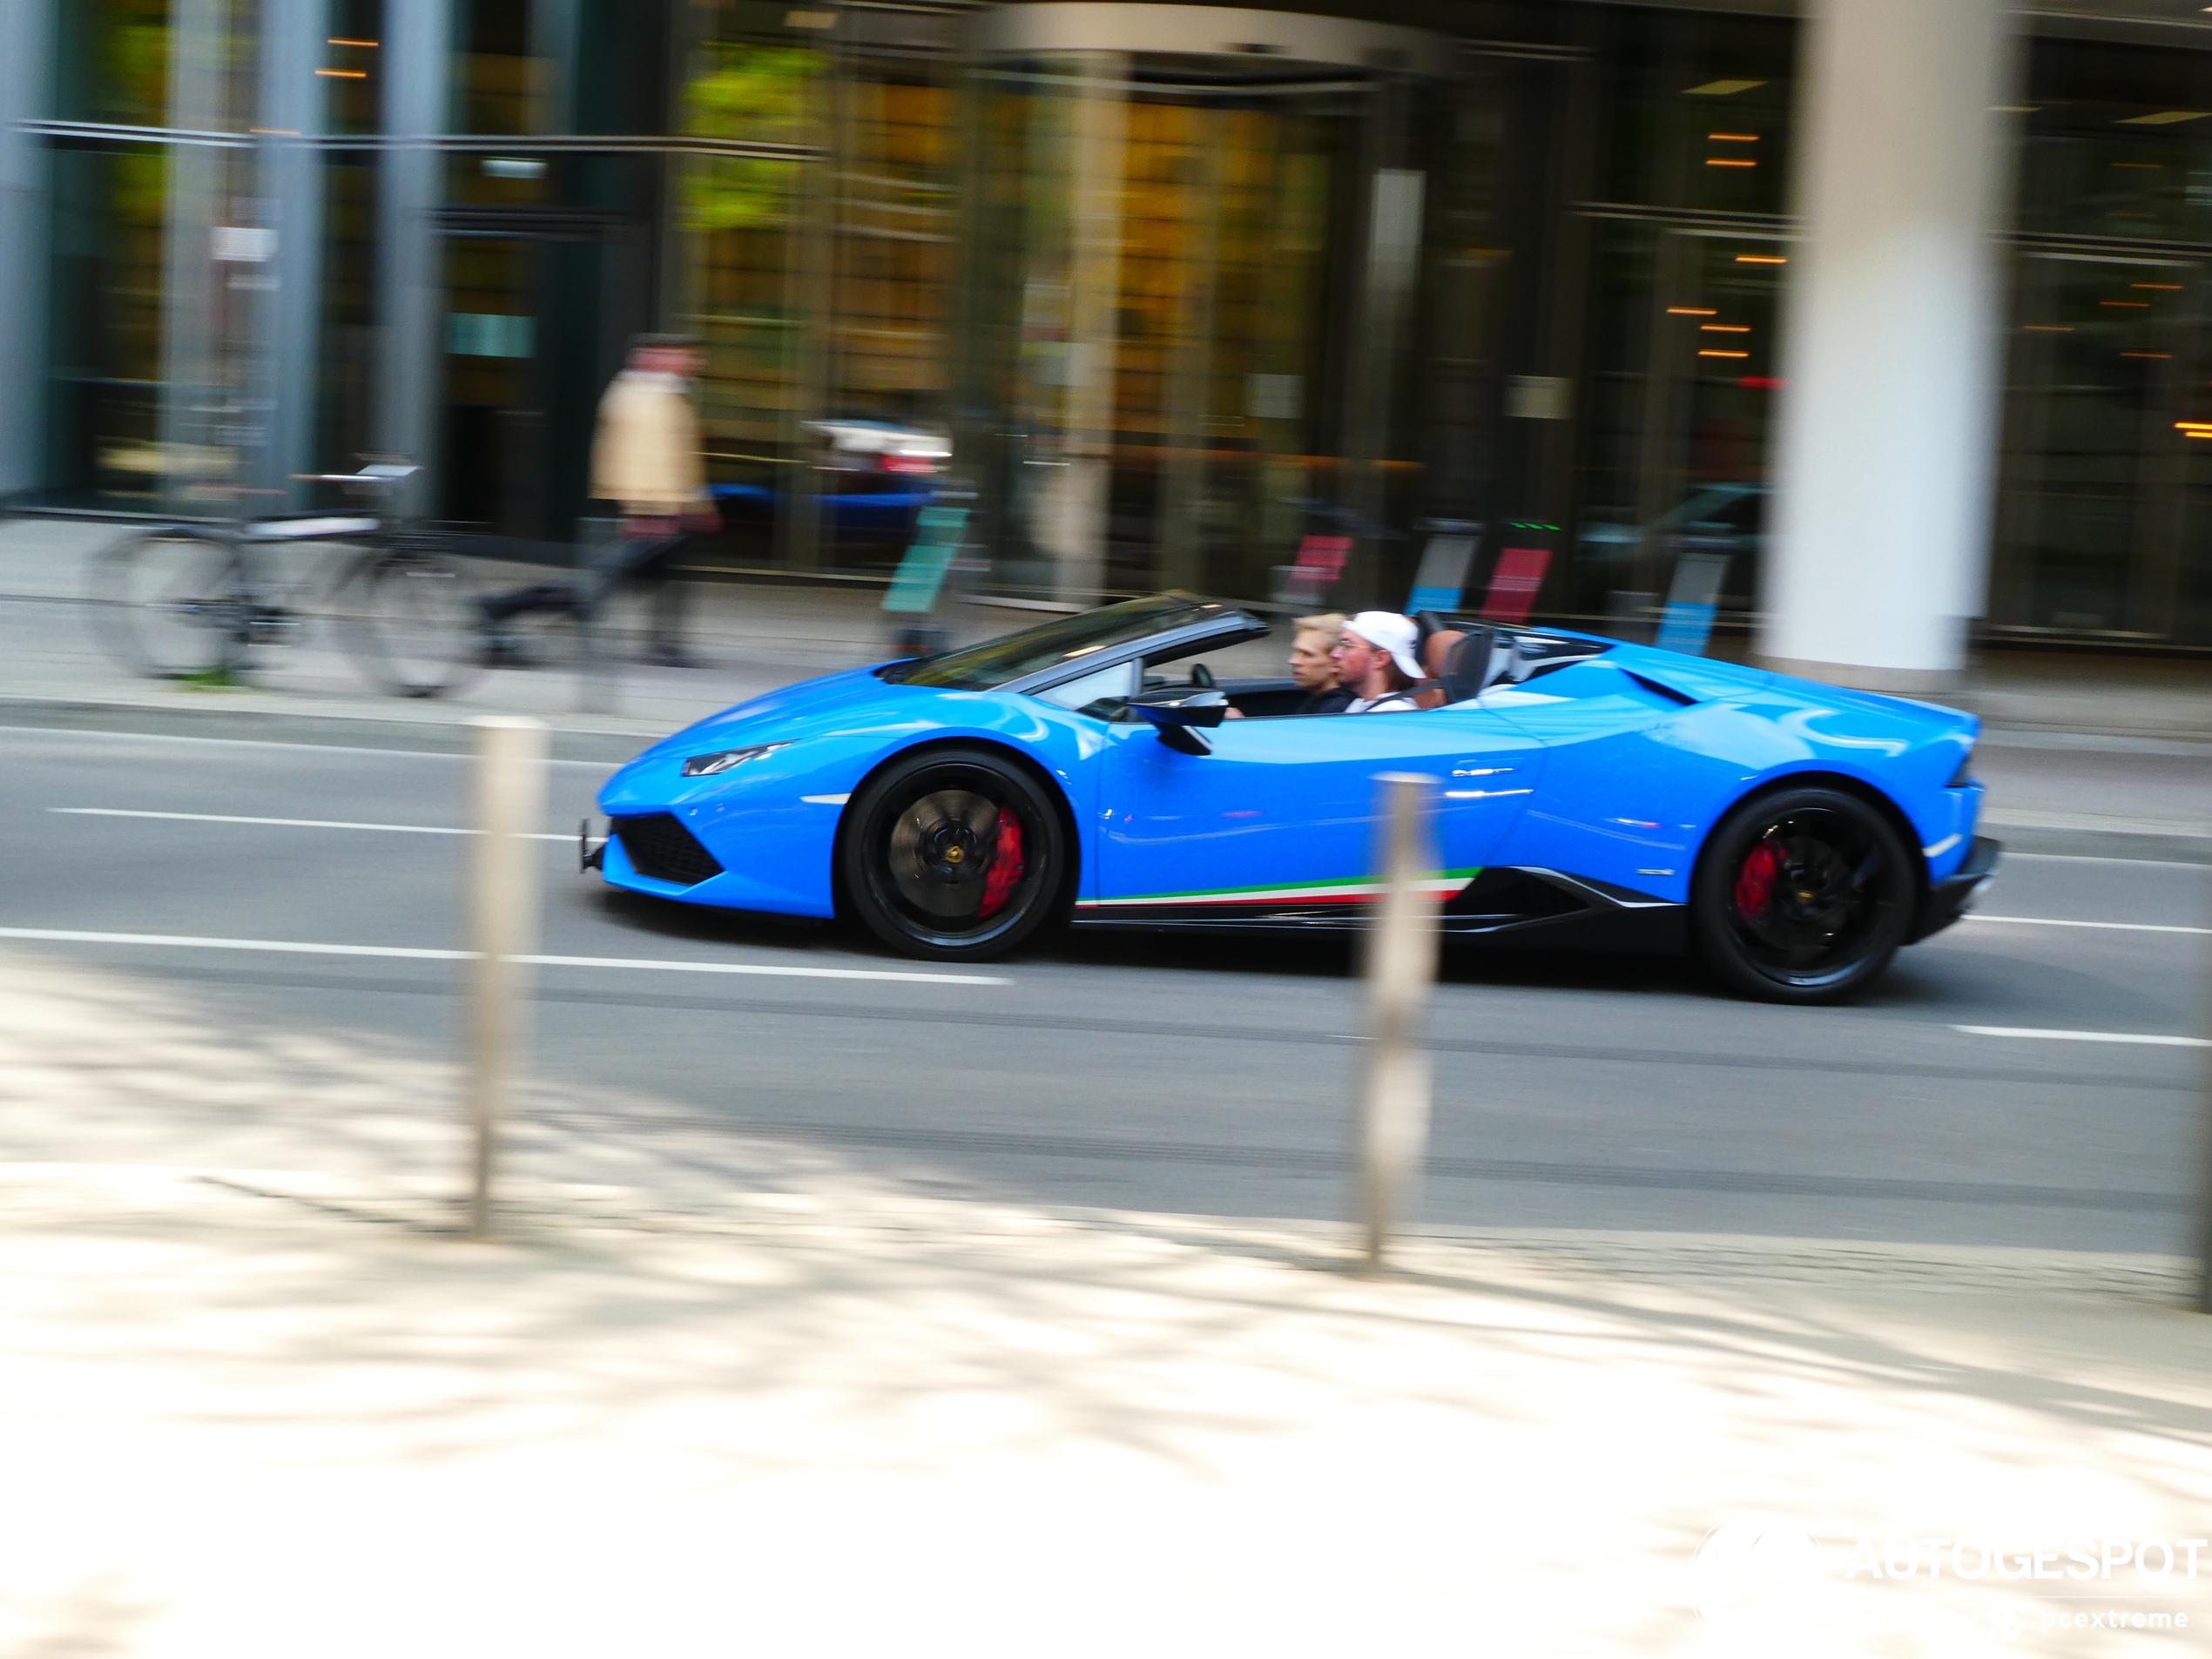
1444	884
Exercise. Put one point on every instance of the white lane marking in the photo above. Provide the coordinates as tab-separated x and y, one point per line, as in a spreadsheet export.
764	967
79	936
2116	926
2011	857
825	800
284	823
2082	1036
319	748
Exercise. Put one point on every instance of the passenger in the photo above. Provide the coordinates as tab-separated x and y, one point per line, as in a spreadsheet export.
1313	668
1375	658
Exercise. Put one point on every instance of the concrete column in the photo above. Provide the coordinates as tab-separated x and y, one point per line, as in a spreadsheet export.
26	73
196	421
410	282
293	101
818	197
1075	529
1878	538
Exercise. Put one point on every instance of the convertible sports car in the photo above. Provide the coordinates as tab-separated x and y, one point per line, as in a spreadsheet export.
1590	793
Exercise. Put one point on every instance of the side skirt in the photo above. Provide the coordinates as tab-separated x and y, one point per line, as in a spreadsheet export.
1522	907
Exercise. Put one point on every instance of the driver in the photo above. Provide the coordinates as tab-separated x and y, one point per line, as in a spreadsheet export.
1312	666
1375	659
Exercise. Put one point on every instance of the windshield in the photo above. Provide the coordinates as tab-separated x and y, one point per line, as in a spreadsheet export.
1064	639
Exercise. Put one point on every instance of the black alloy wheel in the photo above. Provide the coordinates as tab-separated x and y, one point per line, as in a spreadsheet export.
955	855
1803	895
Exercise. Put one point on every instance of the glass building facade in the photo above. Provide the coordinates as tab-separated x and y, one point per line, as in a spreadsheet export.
1180	292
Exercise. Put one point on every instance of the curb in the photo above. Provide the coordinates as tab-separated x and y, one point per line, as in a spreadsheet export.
609	745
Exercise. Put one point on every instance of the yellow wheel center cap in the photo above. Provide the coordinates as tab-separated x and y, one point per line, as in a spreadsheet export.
953	855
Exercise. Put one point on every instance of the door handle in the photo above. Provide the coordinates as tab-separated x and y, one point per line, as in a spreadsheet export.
1480	785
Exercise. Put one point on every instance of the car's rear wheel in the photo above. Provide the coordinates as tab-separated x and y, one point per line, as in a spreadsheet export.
956	854
1803	895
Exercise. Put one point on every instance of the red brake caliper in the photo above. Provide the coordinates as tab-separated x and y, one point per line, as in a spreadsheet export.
1006	865
1755	881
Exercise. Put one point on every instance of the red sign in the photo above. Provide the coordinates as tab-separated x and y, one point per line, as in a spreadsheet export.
1320	558
1513	583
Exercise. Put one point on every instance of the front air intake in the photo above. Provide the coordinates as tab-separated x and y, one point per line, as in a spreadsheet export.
660	849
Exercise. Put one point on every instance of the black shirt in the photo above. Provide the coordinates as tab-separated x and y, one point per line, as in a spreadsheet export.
1335	700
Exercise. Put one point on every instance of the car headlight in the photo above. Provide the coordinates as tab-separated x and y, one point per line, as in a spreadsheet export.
707	766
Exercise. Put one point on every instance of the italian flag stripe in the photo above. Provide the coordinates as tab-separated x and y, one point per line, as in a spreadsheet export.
1445	882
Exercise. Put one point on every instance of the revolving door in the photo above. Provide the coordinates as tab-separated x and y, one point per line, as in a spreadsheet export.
1193	272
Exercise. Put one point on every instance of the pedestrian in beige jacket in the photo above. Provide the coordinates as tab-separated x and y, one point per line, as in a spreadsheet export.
645	459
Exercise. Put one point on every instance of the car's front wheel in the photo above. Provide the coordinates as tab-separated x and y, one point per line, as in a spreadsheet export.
1803	895
956	854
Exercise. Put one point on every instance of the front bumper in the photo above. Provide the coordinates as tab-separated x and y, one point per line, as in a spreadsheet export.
1957	893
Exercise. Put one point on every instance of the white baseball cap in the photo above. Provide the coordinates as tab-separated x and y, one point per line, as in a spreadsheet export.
1388	631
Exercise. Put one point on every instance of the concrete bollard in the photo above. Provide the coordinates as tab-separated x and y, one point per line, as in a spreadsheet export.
1402	949
507	809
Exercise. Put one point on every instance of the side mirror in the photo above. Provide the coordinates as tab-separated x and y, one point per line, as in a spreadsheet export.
1177	717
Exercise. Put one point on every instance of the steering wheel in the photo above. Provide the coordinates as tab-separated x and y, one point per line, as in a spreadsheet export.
1201	675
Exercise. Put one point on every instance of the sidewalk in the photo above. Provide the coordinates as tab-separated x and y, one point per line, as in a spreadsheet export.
716	1394
755	636
752	639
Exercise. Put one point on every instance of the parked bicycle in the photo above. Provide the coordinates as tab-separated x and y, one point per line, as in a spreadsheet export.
190	601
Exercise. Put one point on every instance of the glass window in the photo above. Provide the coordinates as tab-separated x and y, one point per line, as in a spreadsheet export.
494	83
1164	326
750	78
2115	141
1697	108
114	60
347	371
2104	517
894	258
106	310
2094	507
352	73
1101	694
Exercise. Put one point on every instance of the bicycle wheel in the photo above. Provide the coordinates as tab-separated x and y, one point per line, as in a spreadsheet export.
407	616
171	604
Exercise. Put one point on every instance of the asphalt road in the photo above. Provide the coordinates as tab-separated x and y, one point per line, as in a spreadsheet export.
1196	1076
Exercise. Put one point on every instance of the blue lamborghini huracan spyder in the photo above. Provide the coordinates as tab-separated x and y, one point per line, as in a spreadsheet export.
1589	793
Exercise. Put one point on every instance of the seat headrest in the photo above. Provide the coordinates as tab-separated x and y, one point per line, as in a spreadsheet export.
1466	669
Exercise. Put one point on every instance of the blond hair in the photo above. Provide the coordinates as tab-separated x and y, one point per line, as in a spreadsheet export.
1329	624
